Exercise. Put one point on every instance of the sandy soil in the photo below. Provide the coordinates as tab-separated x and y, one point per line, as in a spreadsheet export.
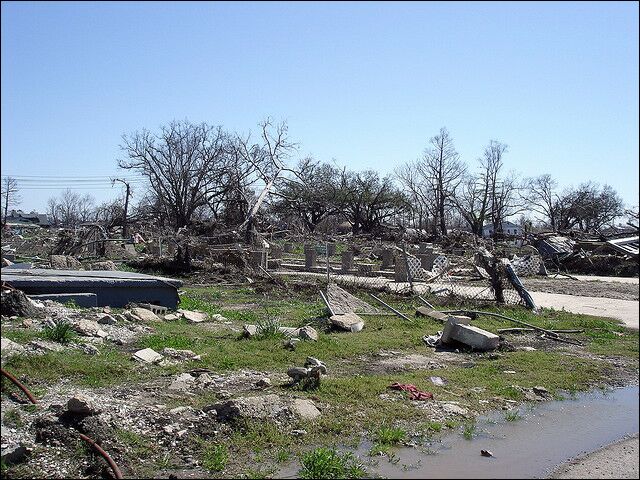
618	460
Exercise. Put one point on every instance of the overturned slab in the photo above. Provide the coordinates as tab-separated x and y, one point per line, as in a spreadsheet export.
348	321
113	288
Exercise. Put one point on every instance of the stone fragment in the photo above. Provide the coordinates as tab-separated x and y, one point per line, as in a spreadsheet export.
144	314
307	333
172	317
263	383
148	355
81	405
250	330
305	408
107	320
347	321
194	317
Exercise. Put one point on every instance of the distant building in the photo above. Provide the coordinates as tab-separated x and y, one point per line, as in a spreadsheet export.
19	218
508	228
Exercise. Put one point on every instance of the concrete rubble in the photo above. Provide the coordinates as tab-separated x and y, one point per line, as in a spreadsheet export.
148	355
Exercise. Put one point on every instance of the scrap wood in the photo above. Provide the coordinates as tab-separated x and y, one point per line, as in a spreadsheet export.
414	392
400	314
105	455
17	382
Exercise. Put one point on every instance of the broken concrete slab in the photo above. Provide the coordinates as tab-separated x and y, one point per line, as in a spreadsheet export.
89	328
450	327
475	337
193	316
148	355
114	288
144	315
348	321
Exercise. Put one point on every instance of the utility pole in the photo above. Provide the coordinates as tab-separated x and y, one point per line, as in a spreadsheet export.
126	205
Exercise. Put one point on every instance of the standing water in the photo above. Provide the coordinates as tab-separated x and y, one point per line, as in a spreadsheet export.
530	447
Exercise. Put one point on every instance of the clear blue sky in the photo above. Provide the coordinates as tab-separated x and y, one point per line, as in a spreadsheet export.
365	84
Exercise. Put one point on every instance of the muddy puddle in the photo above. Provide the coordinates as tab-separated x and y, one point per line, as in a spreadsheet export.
542	437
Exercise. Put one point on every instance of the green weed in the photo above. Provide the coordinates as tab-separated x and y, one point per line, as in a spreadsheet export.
215	457
61	332
329	463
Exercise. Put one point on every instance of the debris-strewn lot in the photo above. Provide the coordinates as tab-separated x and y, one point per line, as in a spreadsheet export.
206	398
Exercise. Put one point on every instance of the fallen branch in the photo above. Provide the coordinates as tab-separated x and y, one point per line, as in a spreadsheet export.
105	455
400	314
17	382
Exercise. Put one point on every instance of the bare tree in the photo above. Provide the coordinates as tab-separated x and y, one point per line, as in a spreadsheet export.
71	208
419	192
472	201
183	165
268	158
590	207
442	168
10	196
542	198
503	189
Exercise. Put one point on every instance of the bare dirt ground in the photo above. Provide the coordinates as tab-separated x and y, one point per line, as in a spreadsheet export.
618	460
567	286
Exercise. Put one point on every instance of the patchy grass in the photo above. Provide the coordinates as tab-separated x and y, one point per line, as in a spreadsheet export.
329	463
215	457
110	367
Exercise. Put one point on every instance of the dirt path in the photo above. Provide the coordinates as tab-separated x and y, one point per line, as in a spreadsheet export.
618	460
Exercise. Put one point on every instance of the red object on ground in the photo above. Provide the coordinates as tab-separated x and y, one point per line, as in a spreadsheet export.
414	392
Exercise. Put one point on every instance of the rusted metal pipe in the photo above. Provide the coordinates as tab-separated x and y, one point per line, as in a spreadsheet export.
400	314
17	382
105	455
